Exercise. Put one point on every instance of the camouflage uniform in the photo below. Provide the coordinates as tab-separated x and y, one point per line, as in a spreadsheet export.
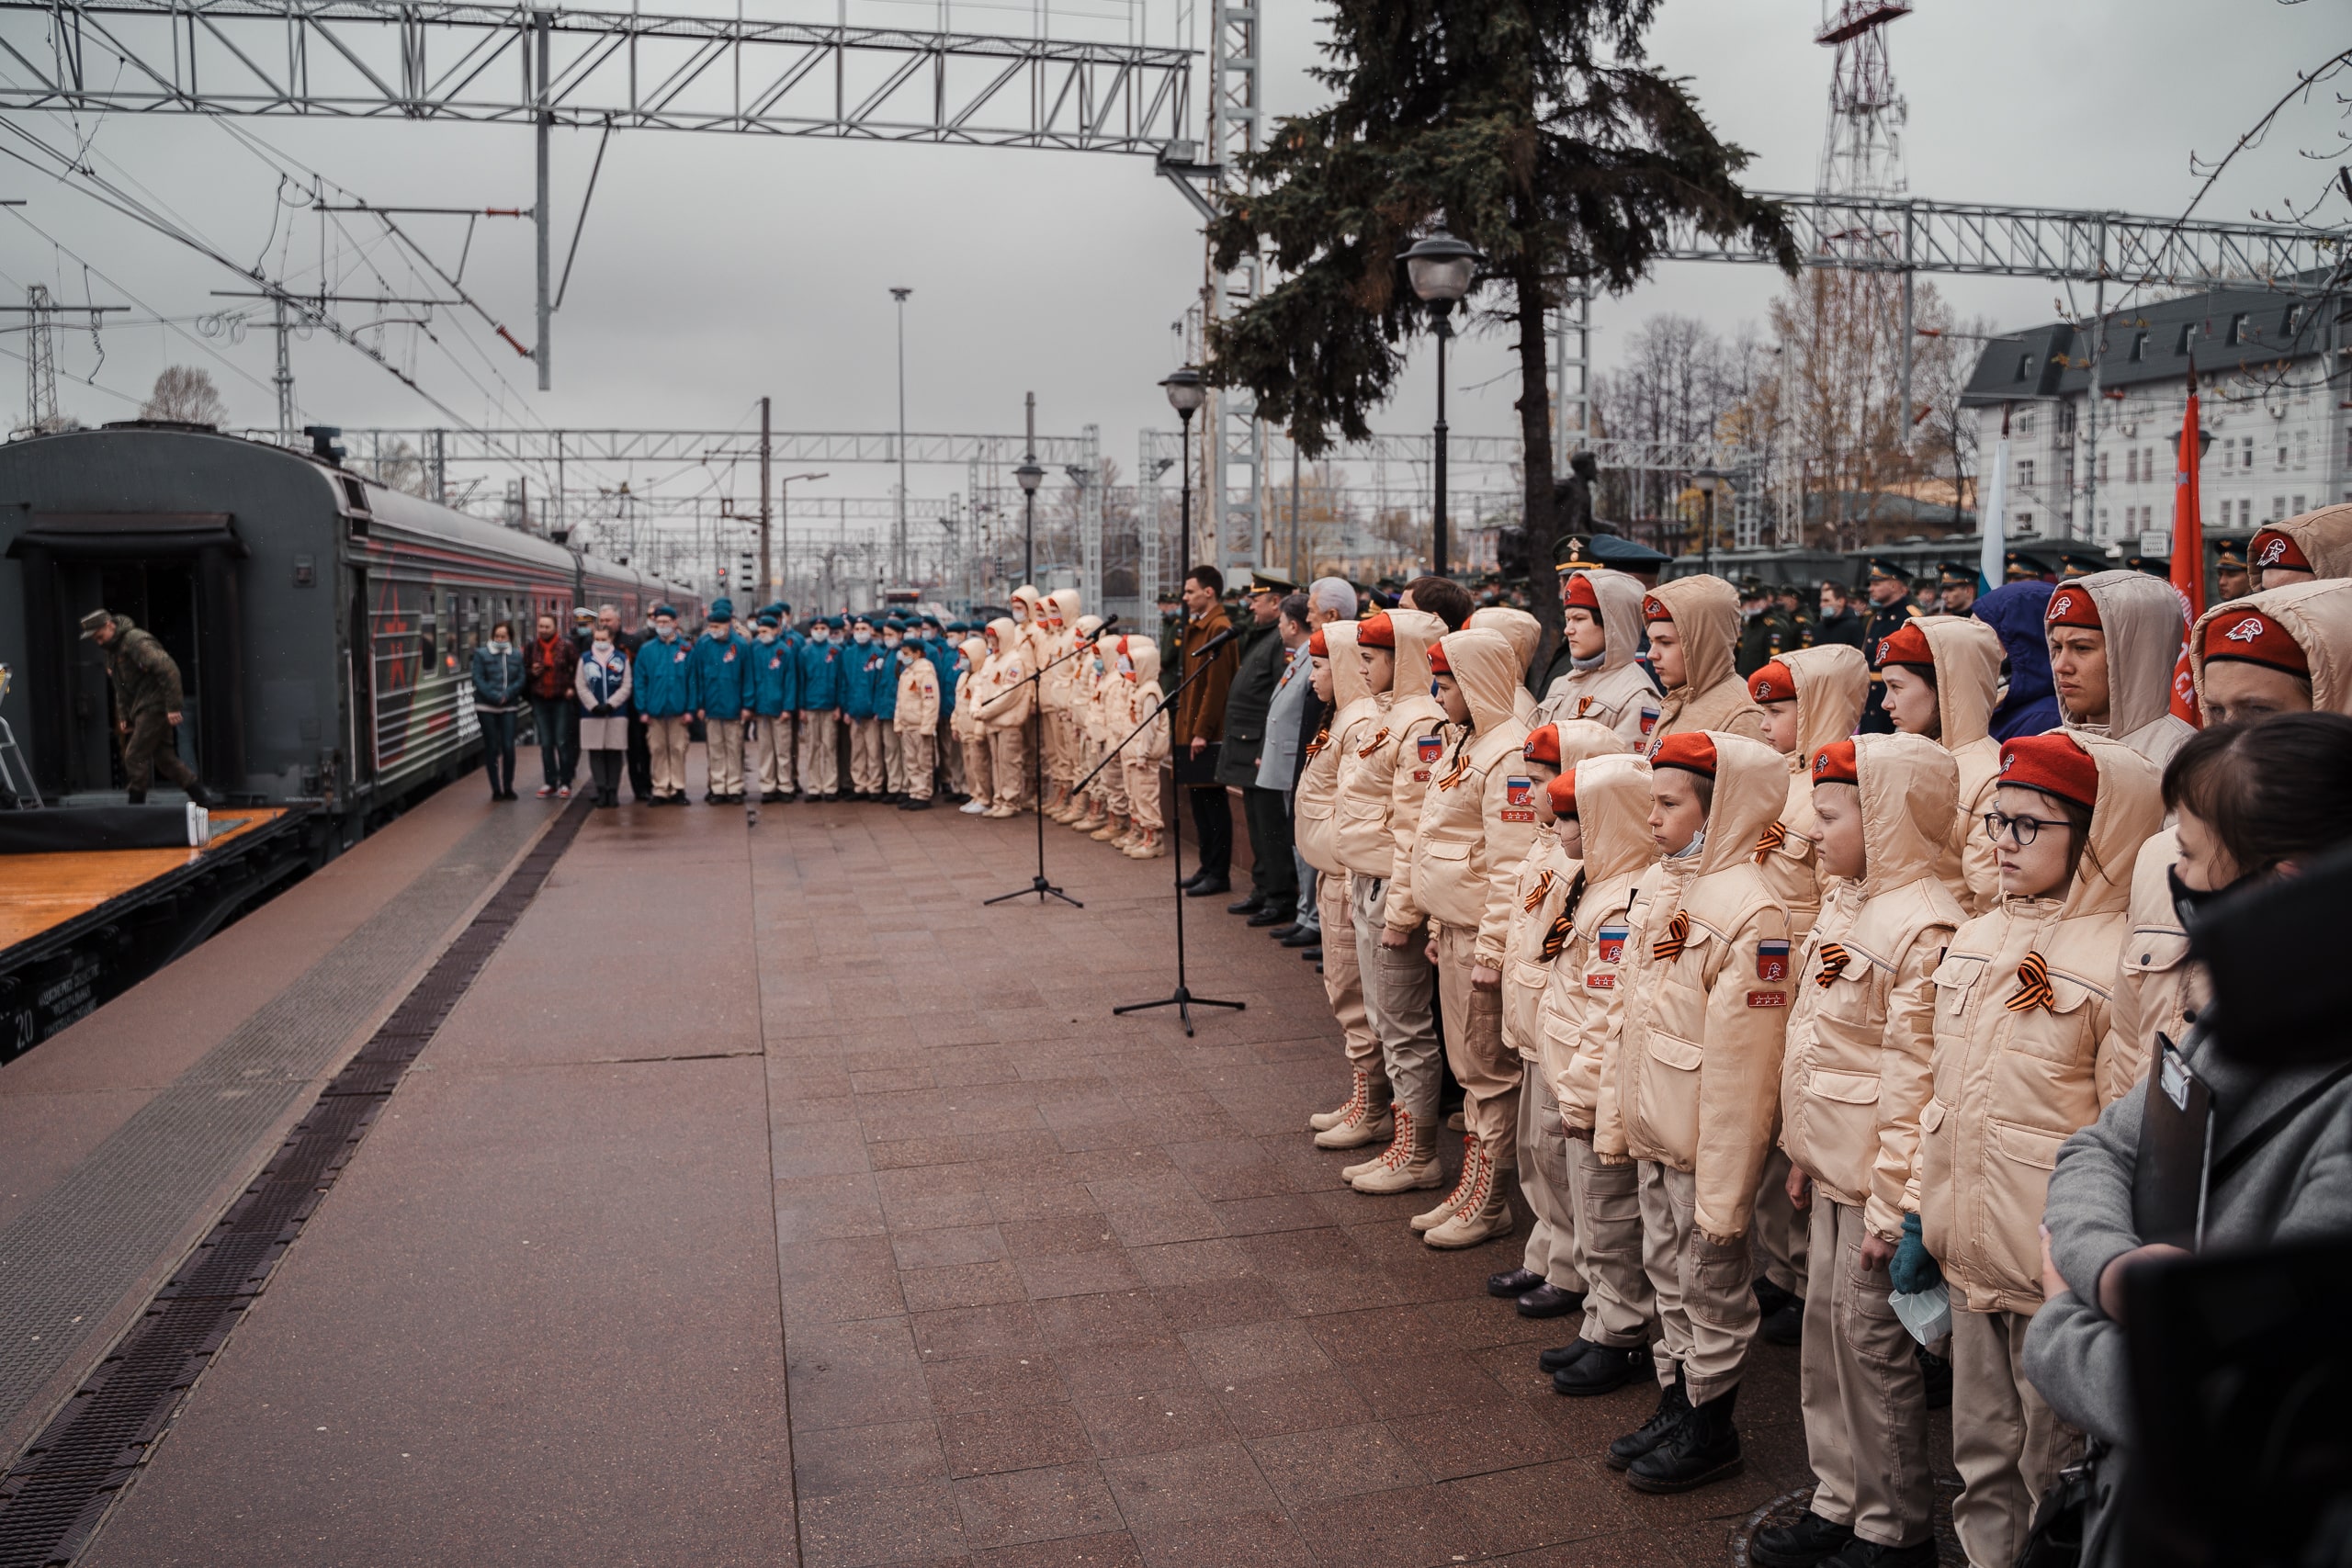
146	699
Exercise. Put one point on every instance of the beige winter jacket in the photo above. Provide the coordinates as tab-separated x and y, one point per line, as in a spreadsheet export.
1584	1009
1478	813
1968	675
1705	611
1314	811
1539	893
965	722
2325	538
1059	690
918	707
1617	692
1861	1035
1525	634
2012	1086
2141	617
1142	695
1832	684
1709	977
1414	721
1003	689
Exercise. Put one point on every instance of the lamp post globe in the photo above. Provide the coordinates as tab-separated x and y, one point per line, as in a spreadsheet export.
1030	476
1186	392
1440	269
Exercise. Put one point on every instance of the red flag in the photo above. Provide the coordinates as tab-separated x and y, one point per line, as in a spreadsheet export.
2187	552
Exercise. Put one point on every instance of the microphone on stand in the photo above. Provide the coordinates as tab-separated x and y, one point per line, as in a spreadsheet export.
1216	642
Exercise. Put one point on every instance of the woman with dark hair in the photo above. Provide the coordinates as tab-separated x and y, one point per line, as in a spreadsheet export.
496	669
2253	802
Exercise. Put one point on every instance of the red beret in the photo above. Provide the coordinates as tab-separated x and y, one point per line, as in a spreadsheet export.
1542	744
1438	664
2052	763
1580	594
2271	547
1654	609
1835	763
1907	646
1773	684
1316	647
1376	631
1688	750
2256	638
2072	606
1562	792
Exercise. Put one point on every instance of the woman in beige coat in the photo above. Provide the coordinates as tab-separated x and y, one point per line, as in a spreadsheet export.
2022	1037
1941	672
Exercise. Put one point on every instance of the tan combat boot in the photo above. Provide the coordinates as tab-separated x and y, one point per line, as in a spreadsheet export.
1368	1123
1358	1088
1111	829
1408	1162
1485	1213
1430	1218
1148	846
1090	819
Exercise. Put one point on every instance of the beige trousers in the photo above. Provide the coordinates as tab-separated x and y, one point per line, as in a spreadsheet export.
1779	1232
1008	765
2006	1444
977	774
866	755
723	740
1865	1403
951	755
1401	981
1139	781
915	761
1620	1307
1487	1069
819	773
1051	735
1112	781
1543	1180
771	736
893	759
1343	981
665	740
1706	1297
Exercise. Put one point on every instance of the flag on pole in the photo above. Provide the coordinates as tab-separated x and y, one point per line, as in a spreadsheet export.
2187	552
1992	503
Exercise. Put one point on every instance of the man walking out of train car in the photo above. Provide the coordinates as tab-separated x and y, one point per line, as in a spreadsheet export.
664	695
640	760
550	664
146	704
722	665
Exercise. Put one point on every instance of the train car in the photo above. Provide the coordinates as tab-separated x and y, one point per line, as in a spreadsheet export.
321	621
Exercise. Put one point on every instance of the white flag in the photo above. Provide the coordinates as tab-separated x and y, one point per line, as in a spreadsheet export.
1991	501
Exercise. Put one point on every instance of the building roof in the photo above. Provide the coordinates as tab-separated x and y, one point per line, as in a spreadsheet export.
2224	332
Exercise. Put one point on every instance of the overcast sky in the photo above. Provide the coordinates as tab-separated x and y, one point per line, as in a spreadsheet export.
716	268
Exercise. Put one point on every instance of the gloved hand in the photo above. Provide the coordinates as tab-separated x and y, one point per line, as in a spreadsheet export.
1913	1269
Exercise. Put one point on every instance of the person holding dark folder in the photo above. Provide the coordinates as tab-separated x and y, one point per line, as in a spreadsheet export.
1198	729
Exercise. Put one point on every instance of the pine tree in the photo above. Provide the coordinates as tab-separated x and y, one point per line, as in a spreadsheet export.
1536	130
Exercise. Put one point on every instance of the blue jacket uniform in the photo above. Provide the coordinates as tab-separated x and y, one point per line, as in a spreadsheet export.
665	679
866	671
821	676
776	678
943	662
722	668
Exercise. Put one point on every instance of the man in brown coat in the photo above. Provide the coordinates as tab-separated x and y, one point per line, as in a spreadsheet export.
1199	727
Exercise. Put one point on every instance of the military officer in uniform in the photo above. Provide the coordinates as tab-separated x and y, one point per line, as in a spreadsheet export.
1957	580
2017	566
146	704
1789	601
1757	646
2231	579
1891	610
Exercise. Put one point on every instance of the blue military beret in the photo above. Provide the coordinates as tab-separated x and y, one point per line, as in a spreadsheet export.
669	610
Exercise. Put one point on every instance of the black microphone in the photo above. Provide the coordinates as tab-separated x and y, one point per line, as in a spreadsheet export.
1216	642
1108	622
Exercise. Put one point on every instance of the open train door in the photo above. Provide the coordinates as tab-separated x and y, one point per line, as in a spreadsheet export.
174	574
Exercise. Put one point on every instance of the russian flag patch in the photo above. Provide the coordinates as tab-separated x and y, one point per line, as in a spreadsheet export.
1520	790
1430	748
1612	944
1771	961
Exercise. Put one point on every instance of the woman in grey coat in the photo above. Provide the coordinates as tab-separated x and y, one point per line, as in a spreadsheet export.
2253	802
604	682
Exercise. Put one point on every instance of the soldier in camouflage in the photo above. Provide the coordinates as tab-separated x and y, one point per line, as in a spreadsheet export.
146	704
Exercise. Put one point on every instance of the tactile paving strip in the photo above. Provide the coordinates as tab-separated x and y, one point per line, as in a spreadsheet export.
56	1495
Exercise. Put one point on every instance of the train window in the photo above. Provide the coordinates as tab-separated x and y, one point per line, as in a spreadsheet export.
428	656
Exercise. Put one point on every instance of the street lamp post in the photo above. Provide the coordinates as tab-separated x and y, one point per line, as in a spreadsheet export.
1030	476
1186	392
784	526
898	541
1441	269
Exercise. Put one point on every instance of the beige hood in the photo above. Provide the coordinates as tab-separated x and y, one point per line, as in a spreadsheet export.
2317	615
2141	615
1620	594
1143	654
2130	808
1005	629
1066	604
1088	626
1833	683
976	651
1910	794
2325	538
1348	684
1025	598
1705	611
1417	631
1613	811
1486	669
1582	737
1968	675
1751	786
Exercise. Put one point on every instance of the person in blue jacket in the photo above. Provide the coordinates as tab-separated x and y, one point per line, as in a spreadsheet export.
886	710
722	666
664	693
2029	707
776	691
942	655
496	669
822	682
867	669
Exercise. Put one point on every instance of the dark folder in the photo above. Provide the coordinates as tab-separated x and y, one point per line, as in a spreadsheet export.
2176	1152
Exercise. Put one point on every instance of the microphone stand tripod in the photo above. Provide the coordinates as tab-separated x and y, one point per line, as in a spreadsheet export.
1038	885
1182	999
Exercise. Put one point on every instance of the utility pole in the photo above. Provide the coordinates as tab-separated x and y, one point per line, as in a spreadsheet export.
767	559
40	360
284	379
899	540
542	22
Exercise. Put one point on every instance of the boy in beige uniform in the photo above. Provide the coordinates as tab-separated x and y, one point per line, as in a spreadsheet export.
965	725
1856	1074
1698	1076
916	722
1059	695
1477	820
1337	676
1605	683
1693	625
1006	695
1141	756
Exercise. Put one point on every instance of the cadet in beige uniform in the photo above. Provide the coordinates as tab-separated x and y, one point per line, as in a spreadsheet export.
1698	1080
1693	625
2309	544
1142	755
2115	638
1059	696
916	722
1605	681
1525	634
1941	673
1338	674
1006	697
1854	1078
965	725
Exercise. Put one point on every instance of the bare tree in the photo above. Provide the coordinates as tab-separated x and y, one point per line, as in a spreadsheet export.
185	395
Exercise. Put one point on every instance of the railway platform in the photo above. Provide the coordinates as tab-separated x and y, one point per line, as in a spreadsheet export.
537	1185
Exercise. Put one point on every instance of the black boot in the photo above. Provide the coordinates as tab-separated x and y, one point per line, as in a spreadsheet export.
1860	1553
1672	1406
202	796
1567	1355
1605	1369
1512	1282
1705	1449
134	797
1785	1326
1799	1545
1935	1372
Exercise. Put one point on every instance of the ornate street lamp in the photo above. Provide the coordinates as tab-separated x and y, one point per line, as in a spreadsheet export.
1441	269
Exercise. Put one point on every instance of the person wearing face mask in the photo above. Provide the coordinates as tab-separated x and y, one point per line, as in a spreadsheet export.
865	672
1693	622
663	681
1855	1075
1090	809
1939	674
2114	640
970	734
894	752
1338	679
1142	756
603	686
775	677
1006	697
496	669
914	716
722	661
823	677
942	653
2313	544
1601	611
2022	1061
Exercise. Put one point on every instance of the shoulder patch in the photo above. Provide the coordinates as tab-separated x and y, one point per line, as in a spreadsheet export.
1767	998
1771	961
1611	942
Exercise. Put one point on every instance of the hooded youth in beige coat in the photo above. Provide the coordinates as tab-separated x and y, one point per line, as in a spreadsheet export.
1415	719
1832	684
1968	674
1353	710
1616	691
2324	536
2141	618
1144	751
1705	613
1525	634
